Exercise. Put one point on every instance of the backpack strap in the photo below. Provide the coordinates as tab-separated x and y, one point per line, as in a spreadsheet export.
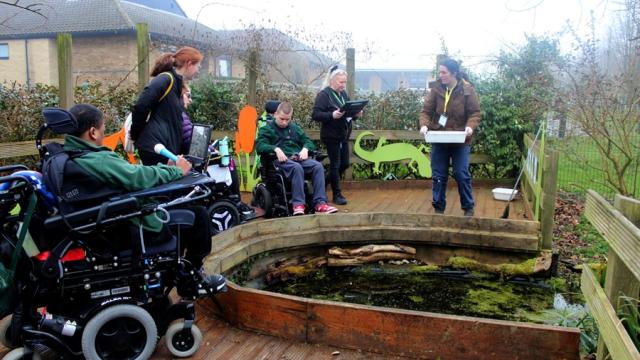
166	92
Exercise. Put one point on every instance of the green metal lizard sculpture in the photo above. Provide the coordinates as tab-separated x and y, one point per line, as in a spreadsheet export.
394	152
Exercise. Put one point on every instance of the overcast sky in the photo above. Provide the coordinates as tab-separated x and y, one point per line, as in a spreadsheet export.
407	34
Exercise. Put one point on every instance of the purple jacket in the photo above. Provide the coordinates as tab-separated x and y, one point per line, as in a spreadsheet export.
187	130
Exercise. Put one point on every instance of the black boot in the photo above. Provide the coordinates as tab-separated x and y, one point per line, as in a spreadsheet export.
338	199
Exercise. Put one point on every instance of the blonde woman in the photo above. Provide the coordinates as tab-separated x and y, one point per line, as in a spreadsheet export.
335	127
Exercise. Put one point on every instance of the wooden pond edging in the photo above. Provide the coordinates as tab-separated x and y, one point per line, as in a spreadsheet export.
381	330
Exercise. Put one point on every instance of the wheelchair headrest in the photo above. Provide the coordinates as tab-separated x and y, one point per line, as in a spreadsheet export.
59	121
271	106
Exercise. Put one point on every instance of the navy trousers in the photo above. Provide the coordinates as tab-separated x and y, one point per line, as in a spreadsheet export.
294	171
458	155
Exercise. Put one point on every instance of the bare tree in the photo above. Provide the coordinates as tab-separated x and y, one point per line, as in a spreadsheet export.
603	98
12	10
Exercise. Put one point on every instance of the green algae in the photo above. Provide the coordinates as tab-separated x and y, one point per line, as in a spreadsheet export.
442	291
525	268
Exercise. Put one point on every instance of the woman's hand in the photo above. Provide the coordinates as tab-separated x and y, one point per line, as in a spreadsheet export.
468	131
337	114
424	130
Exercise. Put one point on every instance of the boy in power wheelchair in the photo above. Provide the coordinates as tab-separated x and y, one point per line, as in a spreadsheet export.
107	275
286	147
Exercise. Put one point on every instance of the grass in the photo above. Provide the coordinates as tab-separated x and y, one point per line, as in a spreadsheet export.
576	174
597	247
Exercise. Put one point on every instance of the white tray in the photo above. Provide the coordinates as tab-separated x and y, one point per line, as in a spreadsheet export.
504	194
449	137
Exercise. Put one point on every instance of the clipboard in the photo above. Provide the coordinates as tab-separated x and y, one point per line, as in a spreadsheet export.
351	108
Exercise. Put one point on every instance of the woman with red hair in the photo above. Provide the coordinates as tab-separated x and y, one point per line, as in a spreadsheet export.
157	114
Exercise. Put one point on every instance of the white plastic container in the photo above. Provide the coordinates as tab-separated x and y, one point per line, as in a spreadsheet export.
449	137
504	194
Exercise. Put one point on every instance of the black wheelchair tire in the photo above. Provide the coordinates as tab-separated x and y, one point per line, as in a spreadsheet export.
223	215
94	331
182	344
262	199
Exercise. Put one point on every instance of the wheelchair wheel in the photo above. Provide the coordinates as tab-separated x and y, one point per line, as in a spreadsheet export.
120	332
181	342
262	199
18	354
223	215
5	327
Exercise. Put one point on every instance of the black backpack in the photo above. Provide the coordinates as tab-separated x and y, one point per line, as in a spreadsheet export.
73	186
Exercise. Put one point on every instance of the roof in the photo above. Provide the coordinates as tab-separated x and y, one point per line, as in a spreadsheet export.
87	17
171	6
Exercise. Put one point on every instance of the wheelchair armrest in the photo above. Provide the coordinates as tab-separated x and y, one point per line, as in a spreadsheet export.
85	216
12	168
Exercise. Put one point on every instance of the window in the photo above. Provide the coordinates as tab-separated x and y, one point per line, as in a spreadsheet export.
224	68
4	51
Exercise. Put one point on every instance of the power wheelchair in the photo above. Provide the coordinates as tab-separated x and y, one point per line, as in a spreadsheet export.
273	192
88	296
86	283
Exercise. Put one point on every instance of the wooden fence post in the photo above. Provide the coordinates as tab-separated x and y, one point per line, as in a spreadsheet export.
351	70
549	190
142	31
252	77
65	70
619	280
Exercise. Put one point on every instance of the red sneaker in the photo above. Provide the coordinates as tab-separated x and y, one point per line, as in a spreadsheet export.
325	209
298	210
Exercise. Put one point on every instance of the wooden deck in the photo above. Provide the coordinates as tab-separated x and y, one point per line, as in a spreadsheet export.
222	341
414	196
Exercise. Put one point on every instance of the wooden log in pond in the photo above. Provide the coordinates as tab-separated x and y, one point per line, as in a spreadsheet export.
370	249
360	260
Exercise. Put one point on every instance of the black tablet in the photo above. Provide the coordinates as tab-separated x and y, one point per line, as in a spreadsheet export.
200	139
351	108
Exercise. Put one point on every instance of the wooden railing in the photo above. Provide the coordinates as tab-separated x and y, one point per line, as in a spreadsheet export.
353	158
26	148
539	185
618	224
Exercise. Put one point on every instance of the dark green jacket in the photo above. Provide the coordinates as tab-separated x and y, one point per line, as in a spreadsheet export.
114	171
267	139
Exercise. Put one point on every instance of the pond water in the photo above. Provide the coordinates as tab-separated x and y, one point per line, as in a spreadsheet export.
423	288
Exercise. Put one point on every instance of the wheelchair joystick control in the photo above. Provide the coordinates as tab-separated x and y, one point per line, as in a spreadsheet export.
162	150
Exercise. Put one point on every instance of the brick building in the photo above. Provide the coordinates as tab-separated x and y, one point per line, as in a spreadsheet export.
104	41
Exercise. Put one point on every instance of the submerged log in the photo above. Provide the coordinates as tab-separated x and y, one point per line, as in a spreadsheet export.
291	268
371	249
525	268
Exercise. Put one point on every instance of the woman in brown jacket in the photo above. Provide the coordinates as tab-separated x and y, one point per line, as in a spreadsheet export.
452	105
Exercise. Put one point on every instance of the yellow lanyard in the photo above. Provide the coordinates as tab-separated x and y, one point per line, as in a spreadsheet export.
447	95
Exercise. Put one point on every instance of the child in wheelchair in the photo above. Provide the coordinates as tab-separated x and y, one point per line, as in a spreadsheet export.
291	148
94	281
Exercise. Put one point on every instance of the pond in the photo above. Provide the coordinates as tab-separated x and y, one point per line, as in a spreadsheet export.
413	285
